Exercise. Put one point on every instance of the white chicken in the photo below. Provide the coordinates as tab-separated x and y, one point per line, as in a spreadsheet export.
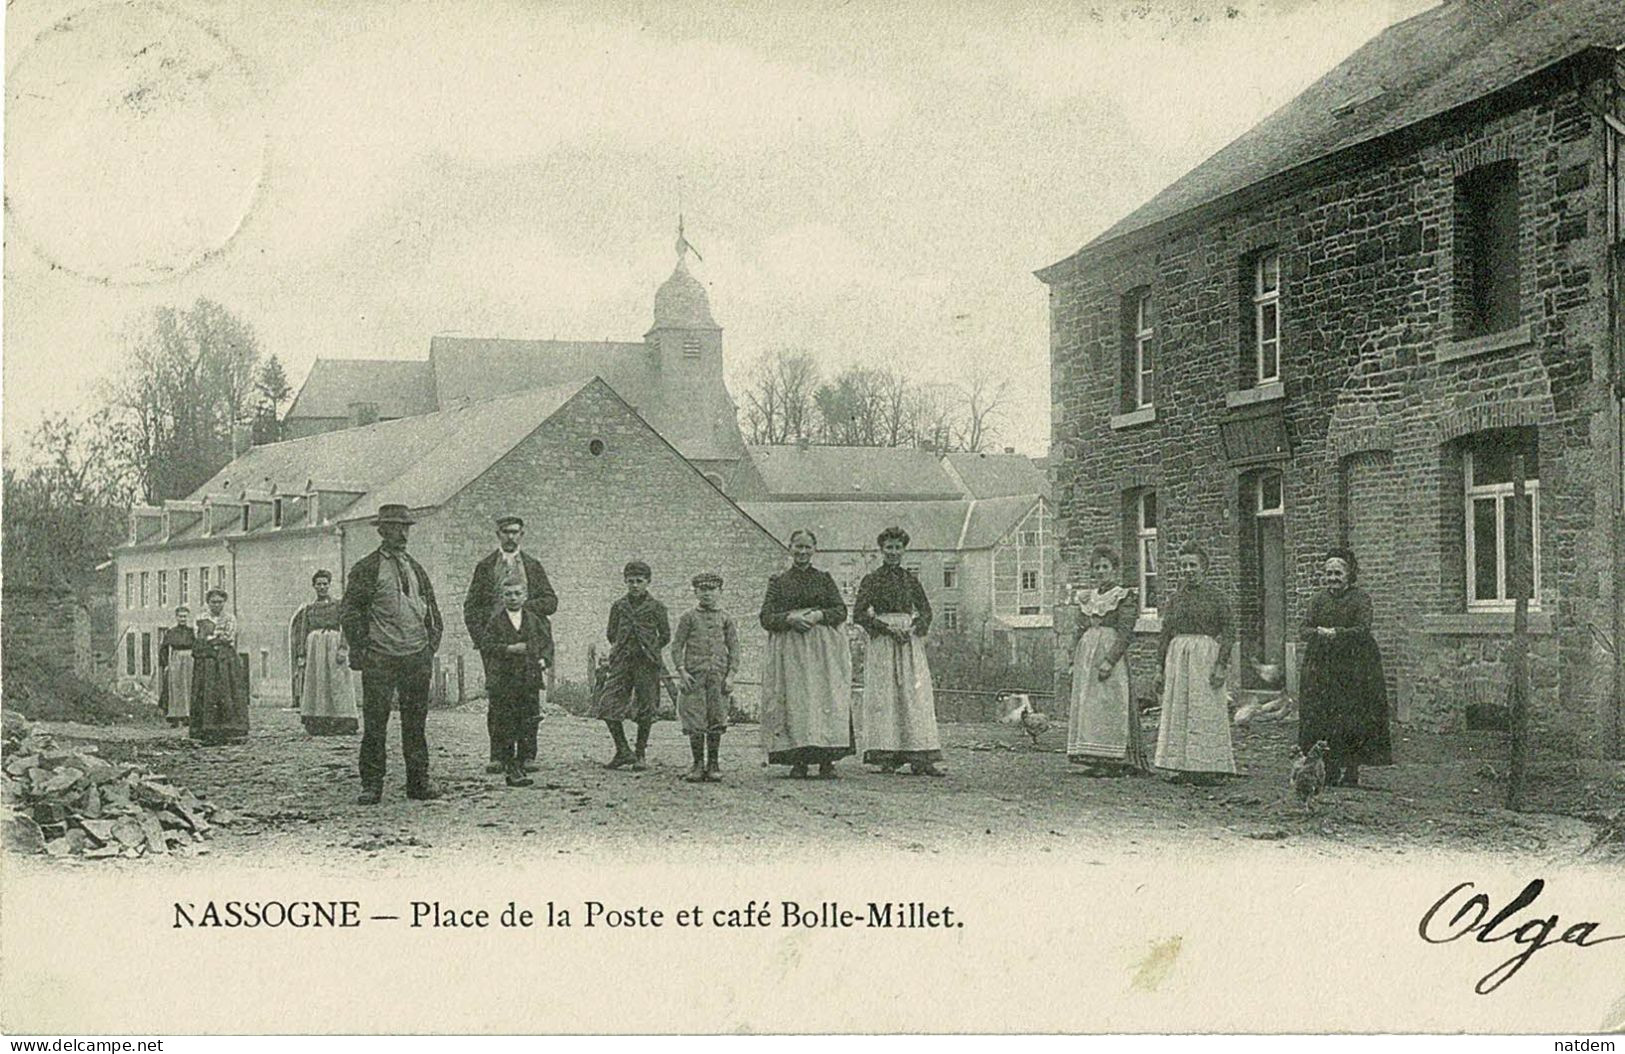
1032	721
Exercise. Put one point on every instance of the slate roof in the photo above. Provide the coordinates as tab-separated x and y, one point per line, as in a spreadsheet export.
681	303
852	473
400	388
473	368
1423	67
851	526
418	461
987	475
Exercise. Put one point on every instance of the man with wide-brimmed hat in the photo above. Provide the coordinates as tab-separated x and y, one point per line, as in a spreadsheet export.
392	627
508	565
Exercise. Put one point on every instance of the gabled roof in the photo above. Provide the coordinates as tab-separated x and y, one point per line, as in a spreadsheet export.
852	473
400	389
990	520
987	475
1423	67
419	461
851	526
472	368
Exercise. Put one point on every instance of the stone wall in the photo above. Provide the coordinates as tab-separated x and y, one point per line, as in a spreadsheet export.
1378	394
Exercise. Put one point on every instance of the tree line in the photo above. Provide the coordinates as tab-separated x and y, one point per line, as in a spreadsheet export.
788	398
190	381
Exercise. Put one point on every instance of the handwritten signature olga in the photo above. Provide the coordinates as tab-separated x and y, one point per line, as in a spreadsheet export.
1534	933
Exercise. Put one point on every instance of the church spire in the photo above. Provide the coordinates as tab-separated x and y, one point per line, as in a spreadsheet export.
683	245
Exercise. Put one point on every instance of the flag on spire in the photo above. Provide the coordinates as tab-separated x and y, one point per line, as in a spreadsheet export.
683	245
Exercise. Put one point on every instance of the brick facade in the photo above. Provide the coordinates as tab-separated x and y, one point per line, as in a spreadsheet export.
1379	394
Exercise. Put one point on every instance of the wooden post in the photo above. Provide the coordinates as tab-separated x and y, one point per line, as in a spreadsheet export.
1519	581
462	680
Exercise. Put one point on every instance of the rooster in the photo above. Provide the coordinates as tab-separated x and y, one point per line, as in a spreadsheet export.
1031	721
1309	775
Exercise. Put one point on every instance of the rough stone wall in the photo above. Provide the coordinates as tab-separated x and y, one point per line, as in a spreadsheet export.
1378	395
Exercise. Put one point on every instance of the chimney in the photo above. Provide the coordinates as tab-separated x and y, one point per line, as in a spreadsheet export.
242	440
363	414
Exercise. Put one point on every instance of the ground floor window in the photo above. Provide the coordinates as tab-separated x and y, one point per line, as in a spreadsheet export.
129	653
1488	465
146	654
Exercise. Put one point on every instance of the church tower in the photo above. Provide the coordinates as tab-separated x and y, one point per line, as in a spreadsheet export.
697	414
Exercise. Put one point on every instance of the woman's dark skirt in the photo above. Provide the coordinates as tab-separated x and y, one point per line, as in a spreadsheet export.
219	697
1343	699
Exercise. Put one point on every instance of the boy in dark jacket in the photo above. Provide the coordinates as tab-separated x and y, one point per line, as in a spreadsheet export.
638	630
517	646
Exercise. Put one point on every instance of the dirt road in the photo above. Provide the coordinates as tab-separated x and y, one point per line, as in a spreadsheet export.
292	797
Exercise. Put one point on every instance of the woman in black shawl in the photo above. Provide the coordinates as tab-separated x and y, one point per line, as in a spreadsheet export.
1342	691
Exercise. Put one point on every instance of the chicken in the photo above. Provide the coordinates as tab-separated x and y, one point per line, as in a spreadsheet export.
1032	722
1309	775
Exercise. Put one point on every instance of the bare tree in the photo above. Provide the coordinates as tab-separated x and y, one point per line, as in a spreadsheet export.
65	507
187	382
779	405
980	411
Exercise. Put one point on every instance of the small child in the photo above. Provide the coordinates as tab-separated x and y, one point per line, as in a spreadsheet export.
638	631
518	648
706	651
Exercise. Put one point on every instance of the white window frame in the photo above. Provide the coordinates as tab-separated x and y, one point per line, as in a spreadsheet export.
220	575
1021	583
163	589
129	590
1265	296
146	581
1502	494
1145	541
185	582
1144	333
950	616
950	576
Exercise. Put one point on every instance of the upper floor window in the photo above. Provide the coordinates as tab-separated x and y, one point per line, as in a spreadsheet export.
1266	317
186	596
1029	580
1486	250
163	589
1139	356
129	591
1489	466
950	576
145	576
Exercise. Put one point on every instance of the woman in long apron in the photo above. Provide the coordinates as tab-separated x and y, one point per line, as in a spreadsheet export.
1193	739
1343	691
1103	728
322	665
219	695
175	668
897	720
806	716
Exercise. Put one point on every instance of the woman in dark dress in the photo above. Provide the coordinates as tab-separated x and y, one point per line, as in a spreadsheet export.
321	665
1342	691
175	668
219	695
807	672
897	720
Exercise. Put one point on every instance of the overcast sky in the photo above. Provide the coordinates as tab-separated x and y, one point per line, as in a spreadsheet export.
871	182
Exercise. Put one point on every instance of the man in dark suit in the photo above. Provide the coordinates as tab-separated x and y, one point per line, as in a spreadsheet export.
517	648
392	626
483	601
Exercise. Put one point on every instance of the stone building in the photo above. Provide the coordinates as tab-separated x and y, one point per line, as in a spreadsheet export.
596	484
672	377
981	540
1346	327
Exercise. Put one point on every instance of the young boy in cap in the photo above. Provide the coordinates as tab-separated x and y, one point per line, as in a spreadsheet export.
638	630
706	651
517	646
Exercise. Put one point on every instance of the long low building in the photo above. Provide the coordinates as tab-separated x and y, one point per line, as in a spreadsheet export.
596	485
